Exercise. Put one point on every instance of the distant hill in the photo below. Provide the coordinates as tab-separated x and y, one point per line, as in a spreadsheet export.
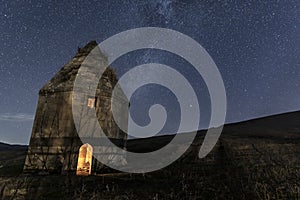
255	159
12	159
5	147
286	125
279	126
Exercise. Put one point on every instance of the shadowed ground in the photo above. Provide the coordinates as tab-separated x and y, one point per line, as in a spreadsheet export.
257	159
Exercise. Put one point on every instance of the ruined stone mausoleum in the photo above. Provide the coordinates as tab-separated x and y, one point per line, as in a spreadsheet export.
54	144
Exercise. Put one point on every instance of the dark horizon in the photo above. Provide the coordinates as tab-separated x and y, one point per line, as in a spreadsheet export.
227	124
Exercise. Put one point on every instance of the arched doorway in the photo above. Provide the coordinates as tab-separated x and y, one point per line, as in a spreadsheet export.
85	157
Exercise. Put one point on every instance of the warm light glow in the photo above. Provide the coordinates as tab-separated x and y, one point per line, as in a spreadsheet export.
85	157
91	102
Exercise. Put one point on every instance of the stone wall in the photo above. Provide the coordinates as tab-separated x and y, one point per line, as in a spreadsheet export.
54	142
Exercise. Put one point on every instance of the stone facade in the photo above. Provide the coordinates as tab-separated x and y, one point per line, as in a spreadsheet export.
54	143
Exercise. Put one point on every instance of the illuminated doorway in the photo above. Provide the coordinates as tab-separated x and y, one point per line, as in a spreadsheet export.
84	164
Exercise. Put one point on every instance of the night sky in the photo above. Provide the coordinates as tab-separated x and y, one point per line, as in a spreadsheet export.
255	45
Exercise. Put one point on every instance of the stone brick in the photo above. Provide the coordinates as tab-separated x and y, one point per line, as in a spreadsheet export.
54	143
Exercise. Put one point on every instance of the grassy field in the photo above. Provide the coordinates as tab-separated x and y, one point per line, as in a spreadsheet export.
238	168
241	166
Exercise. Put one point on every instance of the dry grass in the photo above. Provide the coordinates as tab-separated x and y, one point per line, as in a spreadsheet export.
238	168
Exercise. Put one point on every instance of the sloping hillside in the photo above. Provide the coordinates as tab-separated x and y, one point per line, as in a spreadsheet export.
12	159
249	162
286	125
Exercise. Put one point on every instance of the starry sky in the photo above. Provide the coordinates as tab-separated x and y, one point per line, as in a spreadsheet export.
255	45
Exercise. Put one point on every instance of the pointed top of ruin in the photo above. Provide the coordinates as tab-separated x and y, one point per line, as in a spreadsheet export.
88	47
64	79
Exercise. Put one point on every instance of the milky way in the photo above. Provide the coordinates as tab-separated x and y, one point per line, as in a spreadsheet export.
255	45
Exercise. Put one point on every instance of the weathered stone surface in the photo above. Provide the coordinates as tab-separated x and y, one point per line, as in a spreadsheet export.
54	142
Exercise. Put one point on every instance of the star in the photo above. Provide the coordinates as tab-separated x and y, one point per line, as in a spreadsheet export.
255	46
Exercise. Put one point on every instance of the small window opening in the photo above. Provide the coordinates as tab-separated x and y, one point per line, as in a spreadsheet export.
92	102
